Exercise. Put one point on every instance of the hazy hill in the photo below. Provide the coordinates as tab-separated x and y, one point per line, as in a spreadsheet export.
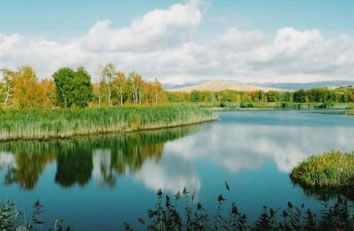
220	85
307	86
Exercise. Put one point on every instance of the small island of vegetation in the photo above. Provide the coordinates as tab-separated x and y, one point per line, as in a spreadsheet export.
333	169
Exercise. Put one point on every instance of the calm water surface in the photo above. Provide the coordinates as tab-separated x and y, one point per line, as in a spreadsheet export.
96	183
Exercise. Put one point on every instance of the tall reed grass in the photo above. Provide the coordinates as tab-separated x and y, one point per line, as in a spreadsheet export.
46	124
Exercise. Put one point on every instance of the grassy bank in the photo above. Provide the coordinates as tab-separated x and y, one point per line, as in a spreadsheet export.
332	169
46	124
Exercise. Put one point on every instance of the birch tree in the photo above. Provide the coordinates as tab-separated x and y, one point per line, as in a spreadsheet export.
7	86
136	87
119	83
108	74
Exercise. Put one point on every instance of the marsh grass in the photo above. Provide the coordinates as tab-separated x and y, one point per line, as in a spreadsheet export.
46	124
12	219
183	212
332	169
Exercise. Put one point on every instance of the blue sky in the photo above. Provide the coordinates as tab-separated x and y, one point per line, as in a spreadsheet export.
67	16
184	41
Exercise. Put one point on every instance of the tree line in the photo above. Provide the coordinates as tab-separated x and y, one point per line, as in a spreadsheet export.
68	88
317	95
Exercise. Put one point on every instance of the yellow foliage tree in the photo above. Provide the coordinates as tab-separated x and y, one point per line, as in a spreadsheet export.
154	93
119	84
48	90
26	90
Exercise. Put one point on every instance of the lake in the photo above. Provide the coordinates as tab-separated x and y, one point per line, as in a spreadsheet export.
97	183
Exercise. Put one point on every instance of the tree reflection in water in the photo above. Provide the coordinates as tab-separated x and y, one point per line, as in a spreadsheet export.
78	160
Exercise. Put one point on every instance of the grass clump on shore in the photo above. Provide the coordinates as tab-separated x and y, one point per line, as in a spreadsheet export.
332	169
46	124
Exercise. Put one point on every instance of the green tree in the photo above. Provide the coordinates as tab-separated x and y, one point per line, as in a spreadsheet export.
73	87
63	80
82	88
300	96
195	96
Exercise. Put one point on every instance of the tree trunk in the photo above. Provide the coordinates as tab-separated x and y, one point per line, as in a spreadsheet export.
121	96
109	95
7	95
136	96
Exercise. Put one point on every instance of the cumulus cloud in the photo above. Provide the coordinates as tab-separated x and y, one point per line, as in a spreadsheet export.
44	55
163	44
156	29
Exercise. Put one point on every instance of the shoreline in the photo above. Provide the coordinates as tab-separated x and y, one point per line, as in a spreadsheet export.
47	125
153	128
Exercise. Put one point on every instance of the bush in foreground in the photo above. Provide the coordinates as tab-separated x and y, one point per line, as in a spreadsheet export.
183	213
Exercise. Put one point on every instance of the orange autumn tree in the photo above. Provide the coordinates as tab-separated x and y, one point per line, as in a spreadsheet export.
28	93
26	90
154	93
48	90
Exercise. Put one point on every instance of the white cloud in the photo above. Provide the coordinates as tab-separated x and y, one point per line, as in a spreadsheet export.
163	44
156	29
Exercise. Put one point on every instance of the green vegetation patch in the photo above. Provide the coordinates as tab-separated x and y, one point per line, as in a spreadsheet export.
332	169
45	124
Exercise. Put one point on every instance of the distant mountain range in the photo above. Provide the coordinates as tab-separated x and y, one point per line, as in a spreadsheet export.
218	85
307	86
